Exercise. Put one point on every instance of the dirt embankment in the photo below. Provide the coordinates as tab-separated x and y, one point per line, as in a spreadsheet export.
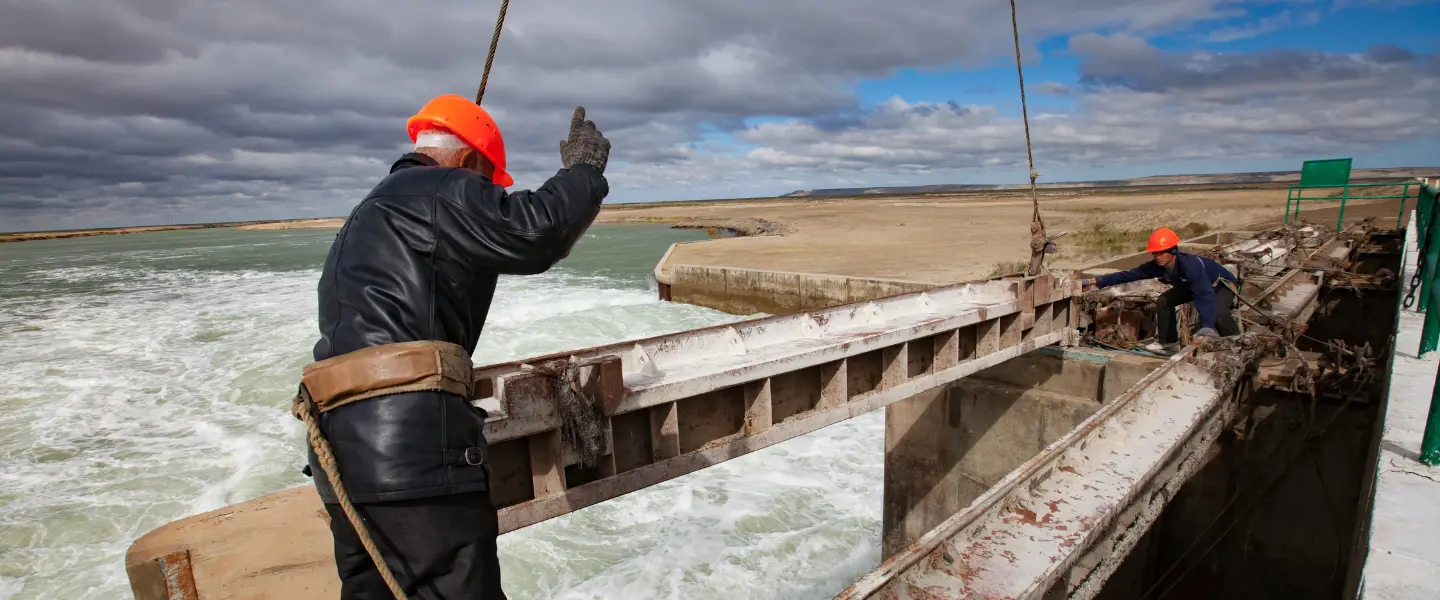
942	238
326	223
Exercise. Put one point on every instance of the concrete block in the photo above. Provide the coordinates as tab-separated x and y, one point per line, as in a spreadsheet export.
818	291
794	393
862	373
869	289
1050	373
700	286
916	466
709	417
1123	371
997	428
751	292
1062	415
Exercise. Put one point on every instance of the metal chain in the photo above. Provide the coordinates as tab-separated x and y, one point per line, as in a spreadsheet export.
1420	251
490	58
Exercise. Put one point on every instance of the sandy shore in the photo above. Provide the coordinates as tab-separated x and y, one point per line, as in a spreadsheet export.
327	223
335	222
945	237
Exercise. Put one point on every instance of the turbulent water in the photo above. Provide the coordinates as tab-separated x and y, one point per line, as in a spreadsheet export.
144	378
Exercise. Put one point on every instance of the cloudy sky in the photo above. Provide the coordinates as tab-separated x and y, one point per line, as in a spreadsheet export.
163	111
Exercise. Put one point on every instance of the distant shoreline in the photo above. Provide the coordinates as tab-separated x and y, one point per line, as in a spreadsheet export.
684	214
30	236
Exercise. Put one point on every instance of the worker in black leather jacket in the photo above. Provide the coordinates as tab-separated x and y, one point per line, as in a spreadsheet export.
418	259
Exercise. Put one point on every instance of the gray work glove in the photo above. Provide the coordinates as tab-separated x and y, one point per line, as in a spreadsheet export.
585	145
1207	332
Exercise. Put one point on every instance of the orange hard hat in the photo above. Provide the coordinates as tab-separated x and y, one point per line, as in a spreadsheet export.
1162	239
468	121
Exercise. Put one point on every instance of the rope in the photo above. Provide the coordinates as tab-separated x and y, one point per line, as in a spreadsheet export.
1025	117
332	474
1039	243
490	58
579	414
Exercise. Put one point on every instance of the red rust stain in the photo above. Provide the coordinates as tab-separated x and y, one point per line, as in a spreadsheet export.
919	593
1061	528
1026	516
1010	556
970	573
1068	469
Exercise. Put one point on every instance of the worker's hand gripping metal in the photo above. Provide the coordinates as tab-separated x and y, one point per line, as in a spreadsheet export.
585	144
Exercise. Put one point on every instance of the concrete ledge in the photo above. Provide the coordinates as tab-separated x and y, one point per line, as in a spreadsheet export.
1404	528
751	291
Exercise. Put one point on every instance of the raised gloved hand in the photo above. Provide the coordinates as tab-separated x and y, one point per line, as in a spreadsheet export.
585	144
1207	332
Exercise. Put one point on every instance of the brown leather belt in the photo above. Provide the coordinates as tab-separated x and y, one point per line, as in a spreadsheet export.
384	370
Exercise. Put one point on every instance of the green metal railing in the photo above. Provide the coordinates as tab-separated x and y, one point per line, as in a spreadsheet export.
1297	193
1428	236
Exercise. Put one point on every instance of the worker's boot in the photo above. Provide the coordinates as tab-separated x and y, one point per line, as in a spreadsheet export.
1163	349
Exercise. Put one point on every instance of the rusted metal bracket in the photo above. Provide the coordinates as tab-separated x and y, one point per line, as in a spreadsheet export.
168	577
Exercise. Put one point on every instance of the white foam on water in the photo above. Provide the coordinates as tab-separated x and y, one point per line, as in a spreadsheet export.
159	394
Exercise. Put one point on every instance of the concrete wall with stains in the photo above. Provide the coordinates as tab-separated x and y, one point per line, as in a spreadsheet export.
944	448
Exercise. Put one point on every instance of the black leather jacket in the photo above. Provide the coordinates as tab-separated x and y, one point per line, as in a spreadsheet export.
417	260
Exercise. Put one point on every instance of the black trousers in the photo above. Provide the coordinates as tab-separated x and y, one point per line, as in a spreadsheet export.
439	548
1225	323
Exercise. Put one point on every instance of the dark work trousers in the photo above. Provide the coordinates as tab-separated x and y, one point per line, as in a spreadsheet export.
1165	306
439	548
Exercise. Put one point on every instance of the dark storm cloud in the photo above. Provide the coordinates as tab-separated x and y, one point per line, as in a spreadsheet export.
139	110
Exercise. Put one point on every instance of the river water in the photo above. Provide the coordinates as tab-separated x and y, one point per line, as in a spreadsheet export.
145	378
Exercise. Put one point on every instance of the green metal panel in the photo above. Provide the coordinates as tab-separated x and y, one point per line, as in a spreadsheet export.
1335	171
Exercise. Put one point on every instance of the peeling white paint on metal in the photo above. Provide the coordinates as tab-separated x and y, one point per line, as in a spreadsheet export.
685	365
1403	554
692	363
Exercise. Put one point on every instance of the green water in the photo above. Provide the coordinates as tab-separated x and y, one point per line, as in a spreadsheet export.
145	378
